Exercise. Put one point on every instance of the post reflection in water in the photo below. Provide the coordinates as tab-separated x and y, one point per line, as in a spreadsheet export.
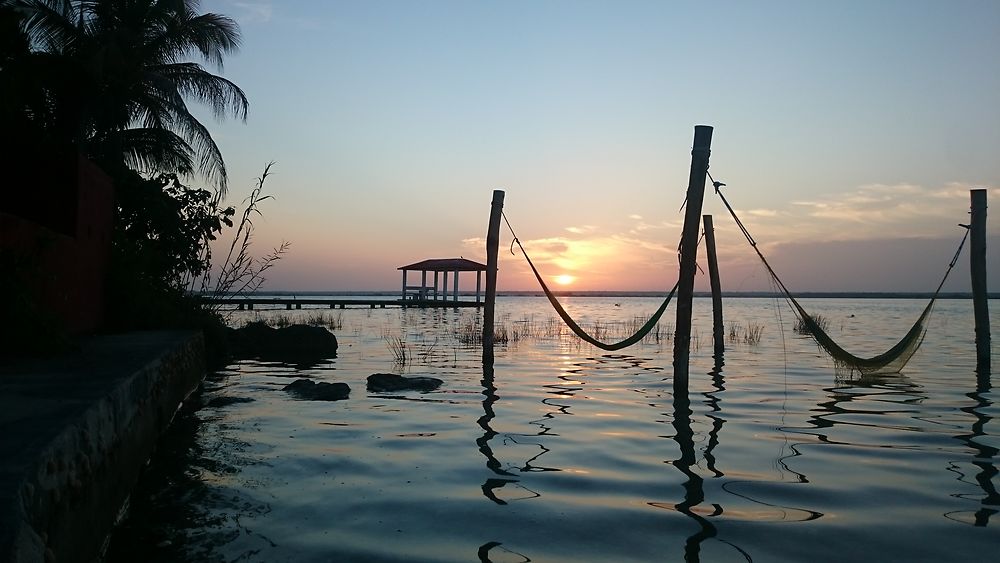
493	483
694	493
486	548
985	456
490	393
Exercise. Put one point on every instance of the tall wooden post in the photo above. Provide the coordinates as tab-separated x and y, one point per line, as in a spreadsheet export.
689	249
977	259
718	331
492	249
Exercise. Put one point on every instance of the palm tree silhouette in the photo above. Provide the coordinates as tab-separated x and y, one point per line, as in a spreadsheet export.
112	78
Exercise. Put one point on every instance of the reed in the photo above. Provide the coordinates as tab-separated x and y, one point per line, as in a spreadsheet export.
332	321
822	322
753	333
275	321
750	333
470	333
397	346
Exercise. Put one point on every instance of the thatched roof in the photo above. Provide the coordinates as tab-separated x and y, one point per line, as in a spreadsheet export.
445	265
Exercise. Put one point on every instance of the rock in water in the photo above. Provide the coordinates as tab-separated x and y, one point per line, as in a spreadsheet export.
393	382
225	401
295	342
308	389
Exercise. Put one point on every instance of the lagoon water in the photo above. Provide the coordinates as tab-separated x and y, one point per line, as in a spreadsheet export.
568	453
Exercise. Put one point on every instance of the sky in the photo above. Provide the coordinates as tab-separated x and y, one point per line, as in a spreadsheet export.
849	135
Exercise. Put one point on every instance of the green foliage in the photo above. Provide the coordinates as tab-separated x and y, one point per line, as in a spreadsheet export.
164	228
161	240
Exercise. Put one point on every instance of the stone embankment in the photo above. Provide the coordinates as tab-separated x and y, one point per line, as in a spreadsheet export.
75	432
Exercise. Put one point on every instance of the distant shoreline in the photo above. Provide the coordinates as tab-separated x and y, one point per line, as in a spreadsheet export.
725	294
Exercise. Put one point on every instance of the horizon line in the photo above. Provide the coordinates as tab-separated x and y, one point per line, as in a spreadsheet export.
651	293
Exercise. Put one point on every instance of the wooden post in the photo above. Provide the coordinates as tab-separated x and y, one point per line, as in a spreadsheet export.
977	259
492	249
689	249
479	285
718	330
403	296
454	295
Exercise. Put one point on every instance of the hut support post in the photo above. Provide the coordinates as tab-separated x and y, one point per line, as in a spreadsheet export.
718	332
492	250
454	295
977	233
689	248
479	285
403	296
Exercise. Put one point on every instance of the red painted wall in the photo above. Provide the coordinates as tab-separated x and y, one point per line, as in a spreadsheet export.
62	236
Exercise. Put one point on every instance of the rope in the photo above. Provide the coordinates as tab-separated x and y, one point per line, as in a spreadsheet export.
897	356
635	338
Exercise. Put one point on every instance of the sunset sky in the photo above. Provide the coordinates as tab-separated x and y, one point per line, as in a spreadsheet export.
849	134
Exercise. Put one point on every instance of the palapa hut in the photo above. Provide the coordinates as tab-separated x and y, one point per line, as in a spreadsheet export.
425	292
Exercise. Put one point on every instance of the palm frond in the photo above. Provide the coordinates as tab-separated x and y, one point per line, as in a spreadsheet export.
220	94
152	149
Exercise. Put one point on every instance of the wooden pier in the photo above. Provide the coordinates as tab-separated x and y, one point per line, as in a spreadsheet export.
293	302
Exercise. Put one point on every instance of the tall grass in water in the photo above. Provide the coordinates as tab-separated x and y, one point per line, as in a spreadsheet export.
750	333
822	322
470	333
614	331
331	321
397	346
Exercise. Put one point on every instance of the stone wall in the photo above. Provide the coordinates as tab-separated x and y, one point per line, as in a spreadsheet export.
75	488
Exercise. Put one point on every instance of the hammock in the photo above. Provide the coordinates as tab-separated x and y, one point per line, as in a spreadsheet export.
890	361
639	334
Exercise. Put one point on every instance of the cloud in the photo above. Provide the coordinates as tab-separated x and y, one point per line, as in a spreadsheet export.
872	211
812	235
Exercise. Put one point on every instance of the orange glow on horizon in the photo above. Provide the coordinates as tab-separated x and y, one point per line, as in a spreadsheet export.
565	279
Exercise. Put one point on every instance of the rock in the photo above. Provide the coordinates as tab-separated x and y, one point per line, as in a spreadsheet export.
226	401
295	342
393	382
309	389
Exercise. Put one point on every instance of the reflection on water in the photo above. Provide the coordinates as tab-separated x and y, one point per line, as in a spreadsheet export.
490	393
983	459
694	494
772	456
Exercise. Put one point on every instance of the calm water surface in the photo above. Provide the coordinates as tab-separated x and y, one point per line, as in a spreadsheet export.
567	453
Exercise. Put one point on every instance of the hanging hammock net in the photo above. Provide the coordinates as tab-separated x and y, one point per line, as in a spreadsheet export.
890	361
641	333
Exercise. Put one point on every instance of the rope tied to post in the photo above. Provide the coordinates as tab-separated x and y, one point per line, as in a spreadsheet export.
892	360
641	333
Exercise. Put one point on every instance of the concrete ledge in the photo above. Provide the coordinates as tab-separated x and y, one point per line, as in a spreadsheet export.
75	432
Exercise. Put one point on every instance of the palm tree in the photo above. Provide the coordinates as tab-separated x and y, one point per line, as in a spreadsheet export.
116	74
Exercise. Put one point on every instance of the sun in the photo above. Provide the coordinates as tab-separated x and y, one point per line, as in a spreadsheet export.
565	279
